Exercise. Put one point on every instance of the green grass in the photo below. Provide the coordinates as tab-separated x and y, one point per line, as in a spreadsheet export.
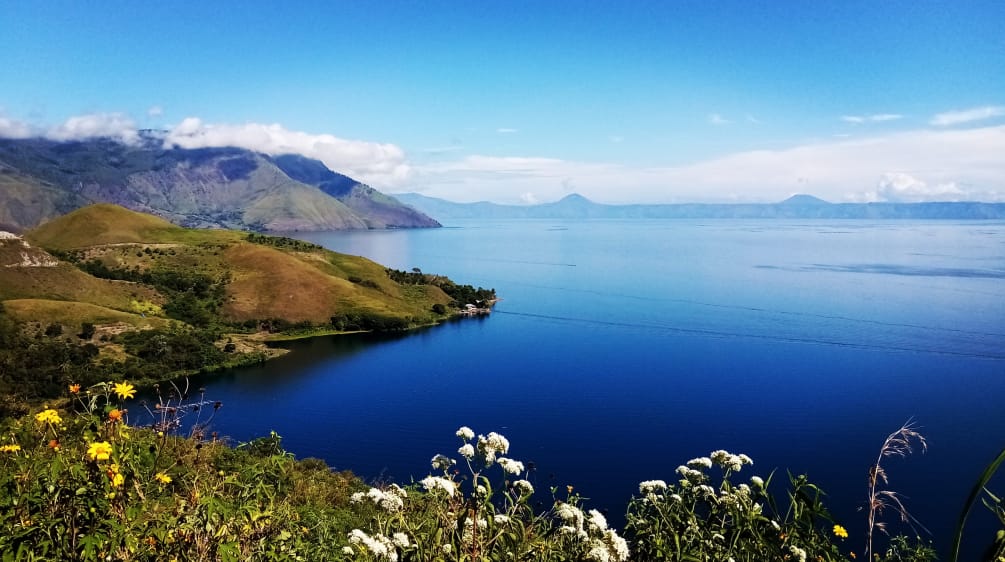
73	314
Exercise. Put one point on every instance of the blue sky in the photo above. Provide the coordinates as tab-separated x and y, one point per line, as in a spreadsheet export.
529	101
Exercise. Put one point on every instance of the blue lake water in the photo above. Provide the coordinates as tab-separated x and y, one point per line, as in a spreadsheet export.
621	349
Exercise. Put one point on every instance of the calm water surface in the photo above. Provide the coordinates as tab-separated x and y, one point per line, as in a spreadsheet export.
623	348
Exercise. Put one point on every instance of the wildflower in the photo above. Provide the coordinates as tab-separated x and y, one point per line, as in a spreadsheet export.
524	487
652	486
492	445
799	553
380	546
568	489
54	444
442	462
468	535
745	459
400	540
390	500
125	390
100	451
115	415
501	519
467	451
840	532
49	416
447	548
13	448
700	462
74	388
757	481
676	498
570	514
597	521
118	480
465	433
357	497
431	483
162	478
348	551
511	466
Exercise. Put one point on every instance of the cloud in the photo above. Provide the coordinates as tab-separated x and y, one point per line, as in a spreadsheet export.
876	118
155	111
506	130
14	129
716	119
117	126
954	164
529	198
380	165
899	187
957	117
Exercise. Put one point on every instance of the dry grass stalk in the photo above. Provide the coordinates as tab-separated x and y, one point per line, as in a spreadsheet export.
900	443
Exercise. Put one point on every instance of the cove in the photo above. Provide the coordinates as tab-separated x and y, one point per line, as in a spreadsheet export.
621	349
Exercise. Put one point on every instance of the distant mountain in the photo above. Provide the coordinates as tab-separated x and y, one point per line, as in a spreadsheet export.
796	207
207	187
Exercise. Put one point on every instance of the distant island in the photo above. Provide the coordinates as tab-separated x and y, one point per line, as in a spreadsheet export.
796	207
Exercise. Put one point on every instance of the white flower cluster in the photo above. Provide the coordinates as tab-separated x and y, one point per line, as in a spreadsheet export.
596	521
730	461
442	462
468	535
390	499
381	547
492	445
700	463
467	451
465	433
691	475
431	483
608	548
511	466
799	553
652	487
523	487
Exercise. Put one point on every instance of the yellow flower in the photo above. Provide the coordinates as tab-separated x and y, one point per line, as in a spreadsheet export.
49	416
125	390
118	480
10	448
100	451
74	388
840	532
162	478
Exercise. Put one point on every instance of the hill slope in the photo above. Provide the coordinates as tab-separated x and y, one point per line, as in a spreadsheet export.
117	243
208	187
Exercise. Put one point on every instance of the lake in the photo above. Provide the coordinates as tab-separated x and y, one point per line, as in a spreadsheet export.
621	349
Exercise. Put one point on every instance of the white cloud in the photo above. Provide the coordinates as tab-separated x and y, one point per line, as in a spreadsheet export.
899	187
155	111
716	119
957	117
876	118
506	130
529	198
14	129
954	164
117	126
380	165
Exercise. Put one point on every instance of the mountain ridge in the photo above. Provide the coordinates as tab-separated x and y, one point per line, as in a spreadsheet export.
223	187
799	206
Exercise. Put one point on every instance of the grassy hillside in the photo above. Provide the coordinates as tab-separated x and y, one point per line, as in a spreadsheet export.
155	300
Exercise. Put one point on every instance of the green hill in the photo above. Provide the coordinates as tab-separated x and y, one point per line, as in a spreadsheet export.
150	299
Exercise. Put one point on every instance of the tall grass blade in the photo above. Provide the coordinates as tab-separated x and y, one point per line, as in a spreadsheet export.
954	554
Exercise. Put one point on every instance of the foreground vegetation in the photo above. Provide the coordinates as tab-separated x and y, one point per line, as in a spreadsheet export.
81	483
